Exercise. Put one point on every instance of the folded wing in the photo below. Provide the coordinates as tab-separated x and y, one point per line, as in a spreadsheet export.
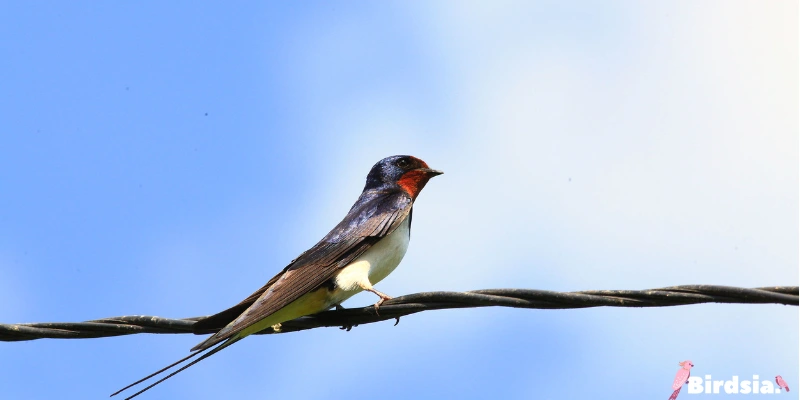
374	216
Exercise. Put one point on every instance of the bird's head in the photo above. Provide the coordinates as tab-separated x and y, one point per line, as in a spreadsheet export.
686	364
409	173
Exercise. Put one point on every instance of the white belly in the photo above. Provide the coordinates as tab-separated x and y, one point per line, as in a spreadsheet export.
374	265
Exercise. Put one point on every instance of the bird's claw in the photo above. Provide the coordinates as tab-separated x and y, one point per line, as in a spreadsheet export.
378	304
383	297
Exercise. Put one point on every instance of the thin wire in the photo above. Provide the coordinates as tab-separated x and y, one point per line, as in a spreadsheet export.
414	303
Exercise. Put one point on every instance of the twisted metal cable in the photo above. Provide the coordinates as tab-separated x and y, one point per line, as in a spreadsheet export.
414	303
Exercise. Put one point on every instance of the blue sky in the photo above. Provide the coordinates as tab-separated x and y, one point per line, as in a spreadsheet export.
169	159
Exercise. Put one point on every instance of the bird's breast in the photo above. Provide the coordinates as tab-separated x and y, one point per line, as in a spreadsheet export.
376	263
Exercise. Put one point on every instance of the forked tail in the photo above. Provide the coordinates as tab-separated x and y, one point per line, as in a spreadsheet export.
190	356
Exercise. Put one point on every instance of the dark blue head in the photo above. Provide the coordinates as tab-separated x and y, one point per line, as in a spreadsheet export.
409	173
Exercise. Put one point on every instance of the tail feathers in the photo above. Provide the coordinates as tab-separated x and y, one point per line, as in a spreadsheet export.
213	323
209	353
155	373
210	341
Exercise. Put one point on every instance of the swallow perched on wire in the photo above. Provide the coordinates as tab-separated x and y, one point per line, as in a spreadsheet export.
359	252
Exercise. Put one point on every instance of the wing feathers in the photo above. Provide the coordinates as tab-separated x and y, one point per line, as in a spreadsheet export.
377	215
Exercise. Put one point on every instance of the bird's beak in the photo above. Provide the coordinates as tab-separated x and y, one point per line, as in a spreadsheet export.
430	172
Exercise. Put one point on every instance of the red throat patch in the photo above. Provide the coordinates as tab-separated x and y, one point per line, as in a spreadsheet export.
413	181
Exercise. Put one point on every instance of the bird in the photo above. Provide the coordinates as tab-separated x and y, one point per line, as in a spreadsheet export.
781	383
680	378
360	251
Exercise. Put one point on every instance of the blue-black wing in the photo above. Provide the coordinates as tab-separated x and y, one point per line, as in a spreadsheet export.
375	215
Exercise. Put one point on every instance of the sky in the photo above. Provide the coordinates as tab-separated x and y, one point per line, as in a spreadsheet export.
168	159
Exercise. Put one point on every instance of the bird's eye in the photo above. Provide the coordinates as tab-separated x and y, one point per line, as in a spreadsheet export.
402	163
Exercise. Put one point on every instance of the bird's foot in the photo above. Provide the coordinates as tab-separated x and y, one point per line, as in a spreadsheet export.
343	327
383	297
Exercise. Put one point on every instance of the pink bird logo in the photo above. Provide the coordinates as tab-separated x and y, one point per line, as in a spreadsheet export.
680	378
782	383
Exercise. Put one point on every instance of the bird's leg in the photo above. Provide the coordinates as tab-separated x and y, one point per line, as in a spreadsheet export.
383	297
344	327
